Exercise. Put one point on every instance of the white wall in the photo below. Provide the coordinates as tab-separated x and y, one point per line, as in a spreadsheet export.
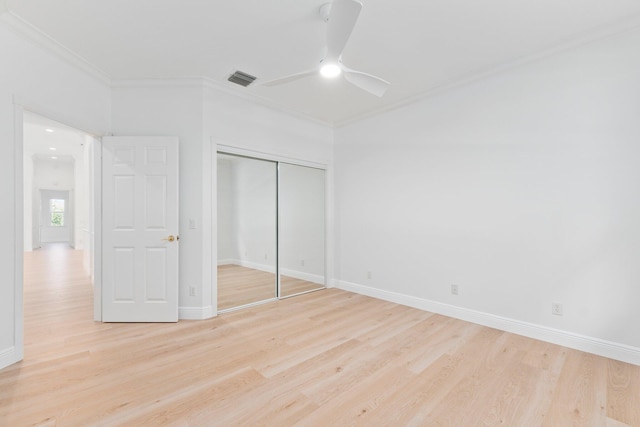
81	195
9	343
233	120
88	232
31	236
521	188
42	82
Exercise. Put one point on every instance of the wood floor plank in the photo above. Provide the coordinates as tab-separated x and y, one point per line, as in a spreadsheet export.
580	397
543	363
183	403
365	400
325	358
413	402
482	357
623	393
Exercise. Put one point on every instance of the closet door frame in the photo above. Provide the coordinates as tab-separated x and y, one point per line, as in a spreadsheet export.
216	148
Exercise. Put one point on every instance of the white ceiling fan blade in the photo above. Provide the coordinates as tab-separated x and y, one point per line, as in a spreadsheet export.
290	78
372	84
342	18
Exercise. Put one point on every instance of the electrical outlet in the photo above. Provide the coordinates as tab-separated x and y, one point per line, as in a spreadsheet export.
454	289
192	291
301	263
556	309
369	275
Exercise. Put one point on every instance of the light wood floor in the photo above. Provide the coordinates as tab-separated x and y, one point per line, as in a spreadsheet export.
327	358
239	285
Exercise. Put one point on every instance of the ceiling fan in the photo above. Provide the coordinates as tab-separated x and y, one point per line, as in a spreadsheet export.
341	17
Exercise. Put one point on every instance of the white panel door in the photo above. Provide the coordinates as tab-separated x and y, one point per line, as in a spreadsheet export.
140	229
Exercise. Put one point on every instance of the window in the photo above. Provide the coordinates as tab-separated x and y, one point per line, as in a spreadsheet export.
56	208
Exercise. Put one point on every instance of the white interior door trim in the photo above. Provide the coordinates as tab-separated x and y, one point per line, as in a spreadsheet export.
231	149
18	234
95	227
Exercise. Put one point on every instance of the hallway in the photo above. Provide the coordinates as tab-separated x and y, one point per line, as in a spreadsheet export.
58	301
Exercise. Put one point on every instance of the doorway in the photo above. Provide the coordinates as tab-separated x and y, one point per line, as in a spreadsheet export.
57	197
56	218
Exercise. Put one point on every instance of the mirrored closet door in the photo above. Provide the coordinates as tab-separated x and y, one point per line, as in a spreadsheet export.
301	231
271	230
247	231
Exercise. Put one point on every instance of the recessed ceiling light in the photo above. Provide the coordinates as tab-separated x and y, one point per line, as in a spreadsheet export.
52	148
49	130
53	157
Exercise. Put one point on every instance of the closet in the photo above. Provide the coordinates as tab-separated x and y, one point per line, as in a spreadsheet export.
271	230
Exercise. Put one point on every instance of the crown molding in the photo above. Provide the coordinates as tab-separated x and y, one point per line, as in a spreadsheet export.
32	33
214	85
169	82
265	102
601	33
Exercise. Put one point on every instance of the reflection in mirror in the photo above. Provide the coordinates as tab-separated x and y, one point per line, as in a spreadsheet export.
301	229
247	227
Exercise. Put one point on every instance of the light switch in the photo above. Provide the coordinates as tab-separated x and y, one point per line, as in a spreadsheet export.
192	224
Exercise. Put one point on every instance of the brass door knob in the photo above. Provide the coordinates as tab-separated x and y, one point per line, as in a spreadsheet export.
170	238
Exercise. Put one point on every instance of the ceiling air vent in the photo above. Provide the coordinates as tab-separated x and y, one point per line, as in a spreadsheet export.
243	79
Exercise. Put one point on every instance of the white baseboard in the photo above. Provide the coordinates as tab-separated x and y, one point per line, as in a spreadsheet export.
302	275
196	313
248	264
612	350
8	357
314	278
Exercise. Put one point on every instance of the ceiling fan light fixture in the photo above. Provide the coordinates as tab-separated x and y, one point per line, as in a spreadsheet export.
330	70
341	17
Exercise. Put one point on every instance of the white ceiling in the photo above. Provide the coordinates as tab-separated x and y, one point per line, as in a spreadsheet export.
49	140
417	45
